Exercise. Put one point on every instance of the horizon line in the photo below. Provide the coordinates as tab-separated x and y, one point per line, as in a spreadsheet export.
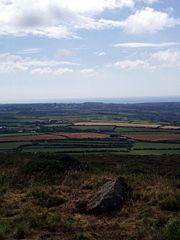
120	100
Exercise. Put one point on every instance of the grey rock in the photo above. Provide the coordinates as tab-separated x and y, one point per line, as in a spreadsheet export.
109	198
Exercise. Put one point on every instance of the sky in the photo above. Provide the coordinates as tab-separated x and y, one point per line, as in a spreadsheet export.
56	49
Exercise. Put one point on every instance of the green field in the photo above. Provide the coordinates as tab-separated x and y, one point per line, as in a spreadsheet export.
18	134
146	145
73	150
93	146
126	130
11	145
155	152
96	128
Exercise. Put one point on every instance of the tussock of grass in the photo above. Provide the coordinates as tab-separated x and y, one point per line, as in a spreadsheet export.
47	199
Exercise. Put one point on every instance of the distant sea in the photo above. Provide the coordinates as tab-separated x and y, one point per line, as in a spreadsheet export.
124	100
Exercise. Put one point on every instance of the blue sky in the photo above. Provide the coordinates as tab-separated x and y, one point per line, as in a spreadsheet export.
54	49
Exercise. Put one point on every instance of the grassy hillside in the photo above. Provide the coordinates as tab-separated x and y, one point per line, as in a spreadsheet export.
44	197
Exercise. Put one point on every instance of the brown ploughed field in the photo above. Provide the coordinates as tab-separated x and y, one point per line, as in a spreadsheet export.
83	135
54	136
154	136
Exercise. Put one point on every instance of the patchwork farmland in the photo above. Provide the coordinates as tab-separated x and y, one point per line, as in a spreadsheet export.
90	128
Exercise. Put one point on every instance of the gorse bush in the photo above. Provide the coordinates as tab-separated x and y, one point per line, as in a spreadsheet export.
48	169
54	165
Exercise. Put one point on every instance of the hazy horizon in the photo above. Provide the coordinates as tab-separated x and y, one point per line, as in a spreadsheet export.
124	100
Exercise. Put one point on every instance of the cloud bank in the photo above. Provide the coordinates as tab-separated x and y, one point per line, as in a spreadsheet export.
10	63
63	19
169	58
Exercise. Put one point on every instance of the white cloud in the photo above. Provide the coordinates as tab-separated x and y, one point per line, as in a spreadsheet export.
30	51
98	24
150	1
148	20
146	45
62	19
61	71
54	71
100	54
11	63
14	63
53	18
131	64
87	70
41	71
170	57
95	6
